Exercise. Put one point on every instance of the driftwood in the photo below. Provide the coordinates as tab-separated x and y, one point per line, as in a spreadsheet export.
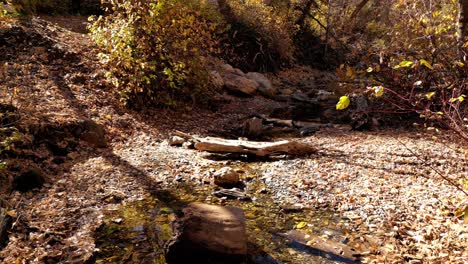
260	149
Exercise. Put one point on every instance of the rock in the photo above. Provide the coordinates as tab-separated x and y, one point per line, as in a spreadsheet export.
188	145
176	141
216	79
226	68
226	176
287	92
253	127
28	180
94	134
208	234
303	107
233	193
5	225
240	84
309	130
239	72
265	87
333	250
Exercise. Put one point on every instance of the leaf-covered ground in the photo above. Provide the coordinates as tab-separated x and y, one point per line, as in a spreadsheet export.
374	179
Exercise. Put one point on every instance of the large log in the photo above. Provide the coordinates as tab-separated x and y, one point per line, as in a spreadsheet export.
260	149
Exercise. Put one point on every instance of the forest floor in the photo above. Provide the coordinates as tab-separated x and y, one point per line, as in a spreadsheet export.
385	182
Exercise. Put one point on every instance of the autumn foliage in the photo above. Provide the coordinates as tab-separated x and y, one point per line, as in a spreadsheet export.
154	50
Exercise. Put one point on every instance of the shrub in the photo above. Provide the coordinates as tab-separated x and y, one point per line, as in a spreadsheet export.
155	51
416	60
260	36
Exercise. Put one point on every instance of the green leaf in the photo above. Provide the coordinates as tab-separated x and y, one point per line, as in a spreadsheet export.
301	225
404	64
427	64
343	103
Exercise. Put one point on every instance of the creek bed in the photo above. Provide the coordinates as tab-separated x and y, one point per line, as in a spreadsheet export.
136	231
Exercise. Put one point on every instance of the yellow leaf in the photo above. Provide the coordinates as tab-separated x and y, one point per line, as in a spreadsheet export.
343	103
459	64
370	69
465	221
12	213
430	95
425	63
379	90
301	225
460	98
403	64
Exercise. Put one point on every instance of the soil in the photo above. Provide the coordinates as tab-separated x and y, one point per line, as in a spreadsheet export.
386	183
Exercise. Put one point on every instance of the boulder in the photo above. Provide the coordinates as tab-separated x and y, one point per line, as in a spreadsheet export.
216	79
226	68
208	234
226	176
265	87
239	84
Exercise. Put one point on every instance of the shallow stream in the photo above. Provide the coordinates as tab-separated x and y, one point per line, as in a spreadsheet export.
135	232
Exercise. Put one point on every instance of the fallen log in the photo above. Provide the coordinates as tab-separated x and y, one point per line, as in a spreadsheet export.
260	149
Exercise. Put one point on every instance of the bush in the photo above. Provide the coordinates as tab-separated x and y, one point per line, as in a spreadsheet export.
415	60
155	50
260	36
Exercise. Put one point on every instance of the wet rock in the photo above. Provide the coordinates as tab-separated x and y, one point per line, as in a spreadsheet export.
28	180
94	134
5	225
309	130
239	84
176	141
226	176
233	193
208	234
265	87
321	246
